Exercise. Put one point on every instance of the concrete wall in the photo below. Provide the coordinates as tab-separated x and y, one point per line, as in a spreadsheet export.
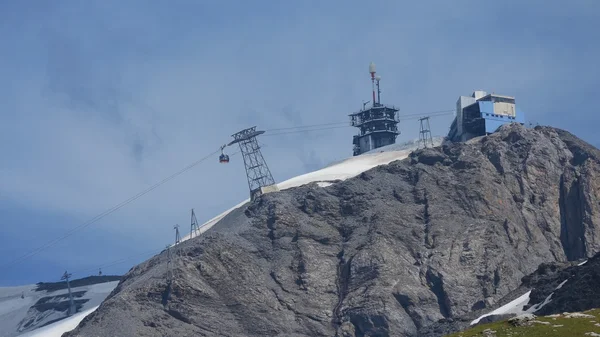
463	102
365	144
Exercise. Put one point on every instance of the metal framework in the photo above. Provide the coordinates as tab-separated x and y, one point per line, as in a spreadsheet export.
194	228
169	265
425	137
177	236
378	127
259	176
72	308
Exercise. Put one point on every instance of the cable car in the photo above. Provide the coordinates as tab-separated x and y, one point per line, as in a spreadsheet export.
223	158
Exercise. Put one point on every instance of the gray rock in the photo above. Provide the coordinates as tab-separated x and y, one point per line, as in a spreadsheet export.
522	320
406	247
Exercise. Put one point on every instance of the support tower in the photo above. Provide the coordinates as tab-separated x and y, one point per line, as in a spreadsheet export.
72	308
378	124
260	180
194	228
177	236
425	138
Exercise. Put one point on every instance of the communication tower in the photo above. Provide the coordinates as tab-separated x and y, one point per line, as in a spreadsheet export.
377	124
259	176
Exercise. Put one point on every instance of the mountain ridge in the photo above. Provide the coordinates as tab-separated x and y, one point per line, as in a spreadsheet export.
448	231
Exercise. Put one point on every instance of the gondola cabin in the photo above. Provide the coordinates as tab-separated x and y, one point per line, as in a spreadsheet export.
223	159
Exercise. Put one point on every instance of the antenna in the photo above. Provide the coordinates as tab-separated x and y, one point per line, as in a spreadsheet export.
425	132
177	236
71	304
378	125
372	71
365	104
194	228
378	78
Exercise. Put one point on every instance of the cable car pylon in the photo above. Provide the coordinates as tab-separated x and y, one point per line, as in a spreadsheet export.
195	229
259	176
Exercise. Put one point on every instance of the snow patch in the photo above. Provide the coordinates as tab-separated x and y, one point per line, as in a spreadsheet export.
17	315
538	306
513	307
342	170
60	327
582	263
547	300
561	284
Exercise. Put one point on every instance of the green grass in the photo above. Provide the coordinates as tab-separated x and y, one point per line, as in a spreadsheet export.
570	327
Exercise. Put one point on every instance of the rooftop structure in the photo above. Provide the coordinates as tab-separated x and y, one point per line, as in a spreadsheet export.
377	124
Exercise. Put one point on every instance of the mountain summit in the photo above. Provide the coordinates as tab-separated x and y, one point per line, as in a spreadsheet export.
445	232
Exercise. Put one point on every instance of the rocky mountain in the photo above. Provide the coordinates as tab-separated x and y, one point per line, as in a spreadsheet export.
448	231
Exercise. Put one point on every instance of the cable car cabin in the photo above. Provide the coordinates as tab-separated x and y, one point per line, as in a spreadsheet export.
224	159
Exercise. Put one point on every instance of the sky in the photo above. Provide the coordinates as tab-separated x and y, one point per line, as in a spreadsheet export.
102	99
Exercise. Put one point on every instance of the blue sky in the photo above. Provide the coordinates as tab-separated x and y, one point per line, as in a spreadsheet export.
101	99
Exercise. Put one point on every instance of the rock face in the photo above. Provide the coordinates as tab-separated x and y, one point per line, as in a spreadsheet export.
445	232
560	287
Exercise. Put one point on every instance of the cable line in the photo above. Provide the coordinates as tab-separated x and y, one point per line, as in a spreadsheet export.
107	212
297	131
119	261
347	123
405	117
305	126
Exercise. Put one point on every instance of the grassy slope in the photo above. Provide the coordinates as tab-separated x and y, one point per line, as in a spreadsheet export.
570	327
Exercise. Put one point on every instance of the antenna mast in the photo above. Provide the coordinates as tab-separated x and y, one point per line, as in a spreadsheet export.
378	78
378	124
372	71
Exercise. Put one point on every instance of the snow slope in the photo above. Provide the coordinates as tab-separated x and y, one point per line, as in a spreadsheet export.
513	307
516	306
341	170
38	308
58	328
